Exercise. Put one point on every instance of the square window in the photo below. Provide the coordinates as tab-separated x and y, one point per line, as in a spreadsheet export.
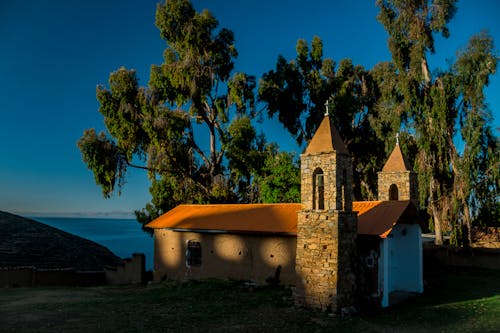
193	254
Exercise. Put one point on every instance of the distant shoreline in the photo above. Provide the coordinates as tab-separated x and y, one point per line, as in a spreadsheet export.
90	215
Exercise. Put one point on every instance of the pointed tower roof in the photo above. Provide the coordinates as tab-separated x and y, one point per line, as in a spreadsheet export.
326	139
396	161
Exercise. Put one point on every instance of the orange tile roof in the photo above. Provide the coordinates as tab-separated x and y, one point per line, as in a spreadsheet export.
326	139
379	217
262	218
374	217
396	162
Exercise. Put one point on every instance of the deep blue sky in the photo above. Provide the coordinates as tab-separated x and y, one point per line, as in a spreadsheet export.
53	53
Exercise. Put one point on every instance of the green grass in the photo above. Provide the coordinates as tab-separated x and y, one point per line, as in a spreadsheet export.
459	301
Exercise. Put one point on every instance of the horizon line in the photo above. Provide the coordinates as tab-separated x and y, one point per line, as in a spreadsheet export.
110	214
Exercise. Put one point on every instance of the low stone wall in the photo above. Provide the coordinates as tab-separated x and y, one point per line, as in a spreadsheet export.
132	271
435	256
32	277
16	276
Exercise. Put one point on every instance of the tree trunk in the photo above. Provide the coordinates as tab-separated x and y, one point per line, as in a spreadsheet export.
213	153
437	224
466	236
460	193
436	216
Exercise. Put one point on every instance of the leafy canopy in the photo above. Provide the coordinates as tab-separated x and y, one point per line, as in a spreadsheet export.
192	127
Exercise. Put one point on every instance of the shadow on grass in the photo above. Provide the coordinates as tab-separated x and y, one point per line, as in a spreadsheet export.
458	300
455	301
462	284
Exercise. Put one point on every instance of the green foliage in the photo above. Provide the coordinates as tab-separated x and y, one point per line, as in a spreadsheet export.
299	87
103	158
122	110
455	186
479	163
296	91
197	55
280	178
241	92
411	24
153	128
244	151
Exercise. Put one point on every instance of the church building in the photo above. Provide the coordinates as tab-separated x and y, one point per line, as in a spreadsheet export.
334	252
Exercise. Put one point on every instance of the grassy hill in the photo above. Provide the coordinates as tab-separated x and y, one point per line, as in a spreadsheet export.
25	242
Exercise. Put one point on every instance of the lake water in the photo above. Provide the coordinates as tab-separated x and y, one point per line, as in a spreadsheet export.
121	236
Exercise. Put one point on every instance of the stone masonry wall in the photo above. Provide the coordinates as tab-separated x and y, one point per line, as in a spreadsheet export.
348	229
335	184
406	181
324	256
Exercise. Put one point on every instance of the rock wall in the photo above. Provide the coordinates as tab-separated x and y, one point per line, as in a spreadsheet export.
30	276
337	171
132	271
326	242
406	182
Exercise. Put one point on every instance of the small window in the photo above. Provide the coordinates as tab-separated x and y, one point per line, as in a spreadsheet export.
193	254
393	192
321	191
318	189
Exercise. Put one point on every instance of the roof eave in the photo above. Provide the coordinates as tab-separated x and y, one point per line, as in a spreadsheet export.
218	231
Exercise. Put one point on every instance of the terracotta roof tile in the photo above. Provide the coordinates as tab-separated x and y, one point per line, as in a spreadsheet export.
396	162
264	218
374	217
326	139
379	217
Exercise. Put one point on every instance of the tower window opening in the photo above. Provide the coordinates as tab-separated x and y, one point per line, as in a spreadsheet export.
318	189
393	192
321	191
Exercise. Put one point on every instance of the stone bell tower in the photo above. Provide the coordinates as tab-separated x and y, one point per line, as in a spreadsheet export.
397	180
327	226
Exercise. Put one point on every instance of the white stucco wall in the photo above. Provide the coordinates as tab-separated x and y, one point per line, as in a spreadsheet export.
401	261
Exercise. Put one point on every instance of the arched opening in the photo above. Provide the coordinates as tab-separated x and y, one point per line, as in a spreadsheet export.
393	192
318	189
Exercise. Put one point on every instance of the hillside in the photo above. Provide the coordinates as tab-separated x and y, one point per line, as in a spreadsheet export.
25	242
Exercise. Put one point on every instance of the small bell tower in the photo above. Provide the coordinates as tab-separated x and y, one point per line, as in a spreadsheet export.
397	180
327	226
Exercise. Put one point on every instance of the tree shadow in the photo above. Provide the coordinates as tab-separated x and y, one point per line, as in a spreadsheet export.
457	284
263	258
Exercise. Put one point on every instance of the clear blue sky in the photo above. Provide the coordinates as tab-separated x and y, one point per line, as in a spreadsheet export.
55	52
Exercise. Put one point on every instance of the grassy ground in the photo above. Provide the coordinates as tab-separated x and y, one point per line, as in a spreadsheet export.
459	301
